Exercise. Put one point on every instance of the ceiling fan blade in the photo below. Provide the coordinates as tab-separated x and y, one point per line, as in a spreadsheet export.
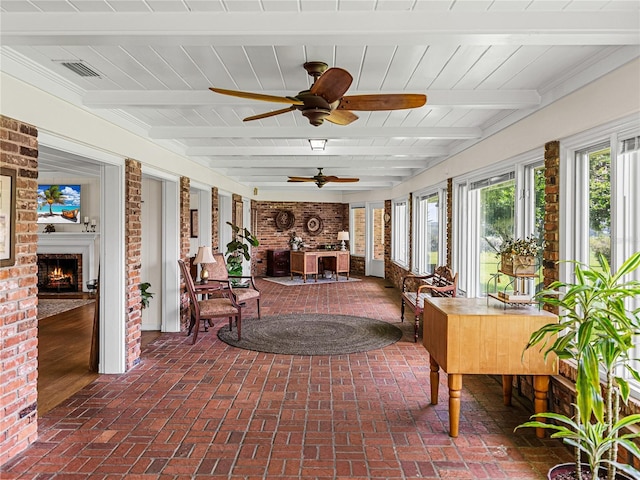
394	101
342	117
332	84
342	180
269	114
257	96
301	179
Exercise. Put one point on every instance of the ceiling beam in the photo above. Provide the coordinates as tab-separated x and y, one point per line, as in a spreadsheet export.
420	151
481	99
306	132
338	28
231	163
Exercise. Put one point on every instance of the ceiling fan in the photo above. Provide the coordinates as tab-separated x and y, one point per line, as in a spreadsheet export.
321	179
325	101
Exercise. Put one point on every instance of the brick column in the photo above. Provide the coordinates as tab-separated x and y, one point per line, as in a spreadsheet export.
185	223
551	252
185	219
387	240
18	296
449	222
133	249
215	219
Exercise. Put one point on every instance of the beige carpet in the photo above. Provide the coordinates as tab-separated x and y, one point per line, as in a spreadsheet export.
48	307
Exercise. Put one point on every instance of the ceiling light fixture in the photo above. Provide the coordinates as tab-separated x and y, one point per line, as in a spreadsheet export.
317	145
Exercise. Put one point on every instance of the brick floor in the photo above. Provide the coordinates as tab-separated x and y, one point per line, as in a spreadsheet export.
214	411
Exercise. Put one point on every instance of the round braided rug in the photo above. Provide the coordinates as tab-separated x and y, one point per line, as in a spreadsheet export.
312	334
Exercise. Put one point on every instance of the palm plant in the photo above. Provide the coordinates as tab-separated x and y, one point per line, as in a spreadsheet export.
51	195
238	249
596	330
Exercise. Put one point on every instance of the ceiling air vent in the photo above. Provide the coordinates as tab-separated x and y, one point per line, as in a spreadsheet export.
80	68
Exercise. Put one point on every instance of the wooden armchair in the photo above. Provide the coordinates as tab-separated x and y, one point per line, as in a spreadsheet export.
441	283
248	291
209	308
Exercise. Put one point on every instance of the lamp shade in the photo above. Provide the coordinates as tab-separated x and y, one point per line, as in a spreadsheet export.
343	235
204	255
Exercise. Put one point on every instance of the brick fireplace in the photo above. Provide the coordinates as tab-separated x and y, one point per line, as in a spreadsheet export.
60	273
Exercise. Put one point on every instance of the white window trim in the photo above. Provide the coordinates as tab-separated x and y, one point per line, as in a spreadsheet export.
352	207
394	235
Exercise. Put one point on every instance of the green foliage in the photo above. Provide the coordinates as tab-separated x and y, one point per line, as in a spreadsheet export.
238	249
146	294
497	206
596	331
600	191
50	196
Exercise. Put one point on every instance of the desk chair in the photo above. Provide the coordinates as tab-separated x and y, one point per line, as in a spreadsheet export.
209	308
218	271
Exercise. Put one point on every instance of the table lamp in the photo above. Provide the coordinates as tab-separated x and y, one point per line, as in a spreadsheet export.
204	255
342	236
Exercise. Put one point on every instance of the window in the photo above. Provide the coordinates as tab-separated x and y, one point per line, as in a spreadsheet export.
492	204
427	244
602	203
400	232
358	230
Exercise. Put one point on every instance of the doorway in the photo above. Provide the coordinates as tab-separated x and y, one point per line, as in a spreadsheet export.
374	265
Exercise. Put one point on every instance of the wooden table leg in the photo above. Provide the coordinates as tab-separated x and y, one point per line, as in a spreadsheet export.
540	390
507	389
416	327
455	388
434	378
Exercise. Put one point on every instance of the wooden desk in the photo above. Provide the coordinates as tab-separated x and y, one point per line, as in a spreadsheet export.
467	336
305	262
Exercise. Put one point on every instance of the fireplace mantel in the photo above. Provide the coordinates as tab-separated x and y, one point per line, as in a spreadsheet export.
72	242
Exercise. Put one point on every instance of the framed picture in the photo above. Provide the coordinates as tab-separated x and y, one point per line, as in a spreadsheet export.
7	217
238	212
194	223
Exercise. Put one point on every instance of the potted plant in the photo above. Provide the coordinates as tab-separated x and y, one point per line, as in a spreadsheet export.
146	294
518	257
596	331
238	249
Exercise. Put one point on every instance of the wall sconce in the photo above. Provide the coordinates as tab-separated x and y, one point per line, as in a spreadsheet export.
342	236
317	145
204	255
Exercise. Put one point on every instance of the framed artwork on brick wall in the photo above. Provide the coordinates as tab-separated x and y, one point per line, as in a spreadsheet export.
194	223
7	216
238	214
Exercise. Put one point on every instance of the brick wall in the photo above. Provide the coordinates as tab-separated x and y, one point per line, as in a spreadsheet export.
18	296
133	260
185	226
215	218
334	216
551	253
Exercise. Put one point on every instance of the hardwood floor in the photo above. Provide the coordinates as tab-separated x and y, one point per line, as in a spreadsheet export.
64	344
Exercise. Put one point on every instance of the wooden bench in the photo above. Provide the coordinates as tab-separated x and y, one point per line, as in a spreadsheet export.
441	283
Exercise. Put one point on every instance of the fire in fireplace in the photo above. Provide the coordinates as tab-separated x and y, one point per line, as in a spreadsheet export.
59	272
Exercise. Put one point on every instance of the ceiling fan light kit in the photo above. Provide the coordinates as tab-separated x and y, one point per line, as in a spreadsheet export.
317	144
325	99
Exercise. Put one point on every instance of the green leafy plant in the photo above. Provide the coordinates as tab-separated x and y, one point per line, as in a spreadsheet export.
146	294
238	249
596	331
